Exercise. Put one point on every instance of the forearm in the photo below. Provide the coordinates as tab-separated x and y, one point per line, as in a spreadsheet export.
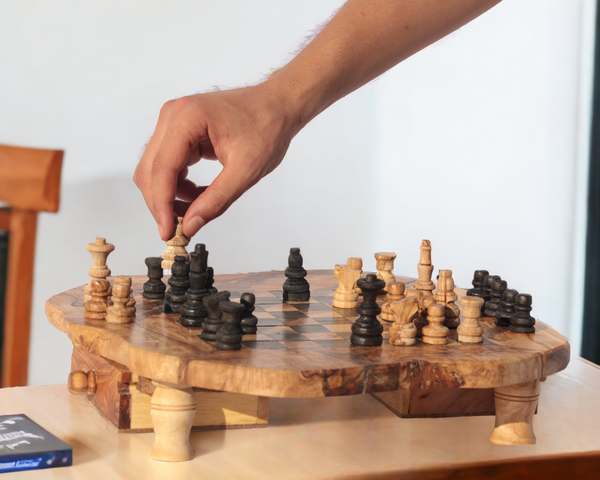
363	40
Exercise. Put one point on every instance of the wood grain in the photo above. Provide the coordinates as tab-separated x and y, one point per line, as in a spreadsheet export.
30	178
157	347
19	292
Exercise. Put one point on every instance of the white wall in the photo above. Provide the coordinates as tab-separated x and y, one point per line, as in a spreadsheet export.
420	153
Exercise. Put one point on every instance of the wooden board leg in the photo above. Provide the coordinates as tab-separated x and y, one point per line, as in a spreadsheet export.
172	409
515	406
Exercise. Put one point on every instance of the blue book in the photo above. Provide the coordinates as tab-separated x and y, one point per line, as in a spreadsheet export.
24	445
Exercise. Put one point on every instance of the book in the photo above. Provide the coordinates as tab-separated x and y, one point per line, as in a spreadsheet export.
24	445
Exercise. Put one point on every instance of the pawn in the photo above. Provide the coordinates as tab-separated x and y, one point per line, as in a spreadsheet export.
493	307
211	324
395	294
477	290
522	321
435	333
229	336
403	330
508	308
366	330
154	288
179	283
346	296
126	281
95	308
119	311
470	331
445	295
193	312
295	288
176	246
487	286
210	281
249	321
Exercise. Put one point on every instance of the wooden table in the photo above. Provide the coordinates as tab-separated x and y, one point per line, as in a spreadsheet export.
351	437
500	376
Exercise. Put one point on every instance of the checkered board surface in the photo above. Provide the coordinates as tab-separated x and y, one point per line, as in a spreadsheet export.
315	324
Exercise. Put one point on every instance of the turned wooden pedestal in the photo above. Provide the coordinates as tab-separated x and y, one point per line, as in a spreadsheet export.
300	350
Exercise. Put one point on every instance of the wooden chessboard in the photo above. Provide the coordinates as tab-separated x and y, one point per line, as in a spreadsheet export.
303	349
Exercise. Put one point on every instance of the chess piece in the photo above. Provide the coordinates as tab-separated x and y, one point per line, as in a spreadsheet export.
487	287
229	336
95	307
508	307
445	295
295	288
345	296
425	269
395	294
193	311
200	249
356	263
119	311
127	281
522	321
477	290
176	246
403	330
470	331
366	330
493	307
211	324
154	288
423	301
435	333
100	251
179	283
210	281
249	321
385	267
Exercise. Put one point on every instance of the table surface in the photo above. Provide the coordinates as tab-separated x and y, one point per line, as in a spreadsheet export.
331	438
303	349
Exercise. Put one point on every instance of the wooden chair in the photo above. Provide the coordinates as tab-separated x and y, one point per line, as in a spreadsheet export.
29	183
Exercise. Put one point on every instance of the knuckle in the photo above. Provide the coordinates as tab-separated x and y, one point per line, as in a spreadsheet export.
167	107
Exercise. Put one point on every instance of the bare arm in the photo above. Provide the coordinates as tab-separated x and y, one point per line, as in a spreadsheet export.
249	130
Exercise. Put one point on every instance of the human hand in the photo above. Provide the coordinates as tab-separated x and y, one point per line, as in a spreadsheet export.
247	130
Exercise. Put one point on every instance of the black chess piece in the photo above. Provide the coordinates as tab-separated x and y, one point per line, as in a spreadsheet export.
179	283
249	321
229	336
193	311
211	324
487	287
493	307
295	288
366	330
508	307
154	288
210	281
477	290
200	249
522	321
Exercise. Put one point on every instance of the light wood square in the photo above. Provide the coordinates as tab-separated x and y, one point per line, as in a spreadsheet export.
322	336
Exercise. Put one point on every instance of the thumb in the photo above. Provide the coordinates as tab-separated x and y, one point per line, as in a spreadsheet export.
215	200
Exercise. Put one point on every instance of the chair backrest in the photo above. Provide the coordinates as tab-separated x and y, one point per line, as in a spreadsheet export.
29	183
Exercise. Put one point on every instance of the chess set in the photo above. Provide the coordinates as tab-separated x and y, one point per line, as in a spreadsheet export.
218	347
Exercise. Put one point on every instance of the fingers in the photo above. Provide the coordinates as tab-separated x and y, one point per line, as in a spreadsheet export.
142	176
229	185
181	136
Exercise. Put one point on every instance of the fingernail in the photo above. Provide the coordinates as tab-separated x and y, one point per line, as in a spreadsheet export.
195	224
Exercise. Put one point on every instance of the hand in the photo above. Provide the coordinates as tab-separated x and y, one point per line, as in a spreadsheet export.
248	130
